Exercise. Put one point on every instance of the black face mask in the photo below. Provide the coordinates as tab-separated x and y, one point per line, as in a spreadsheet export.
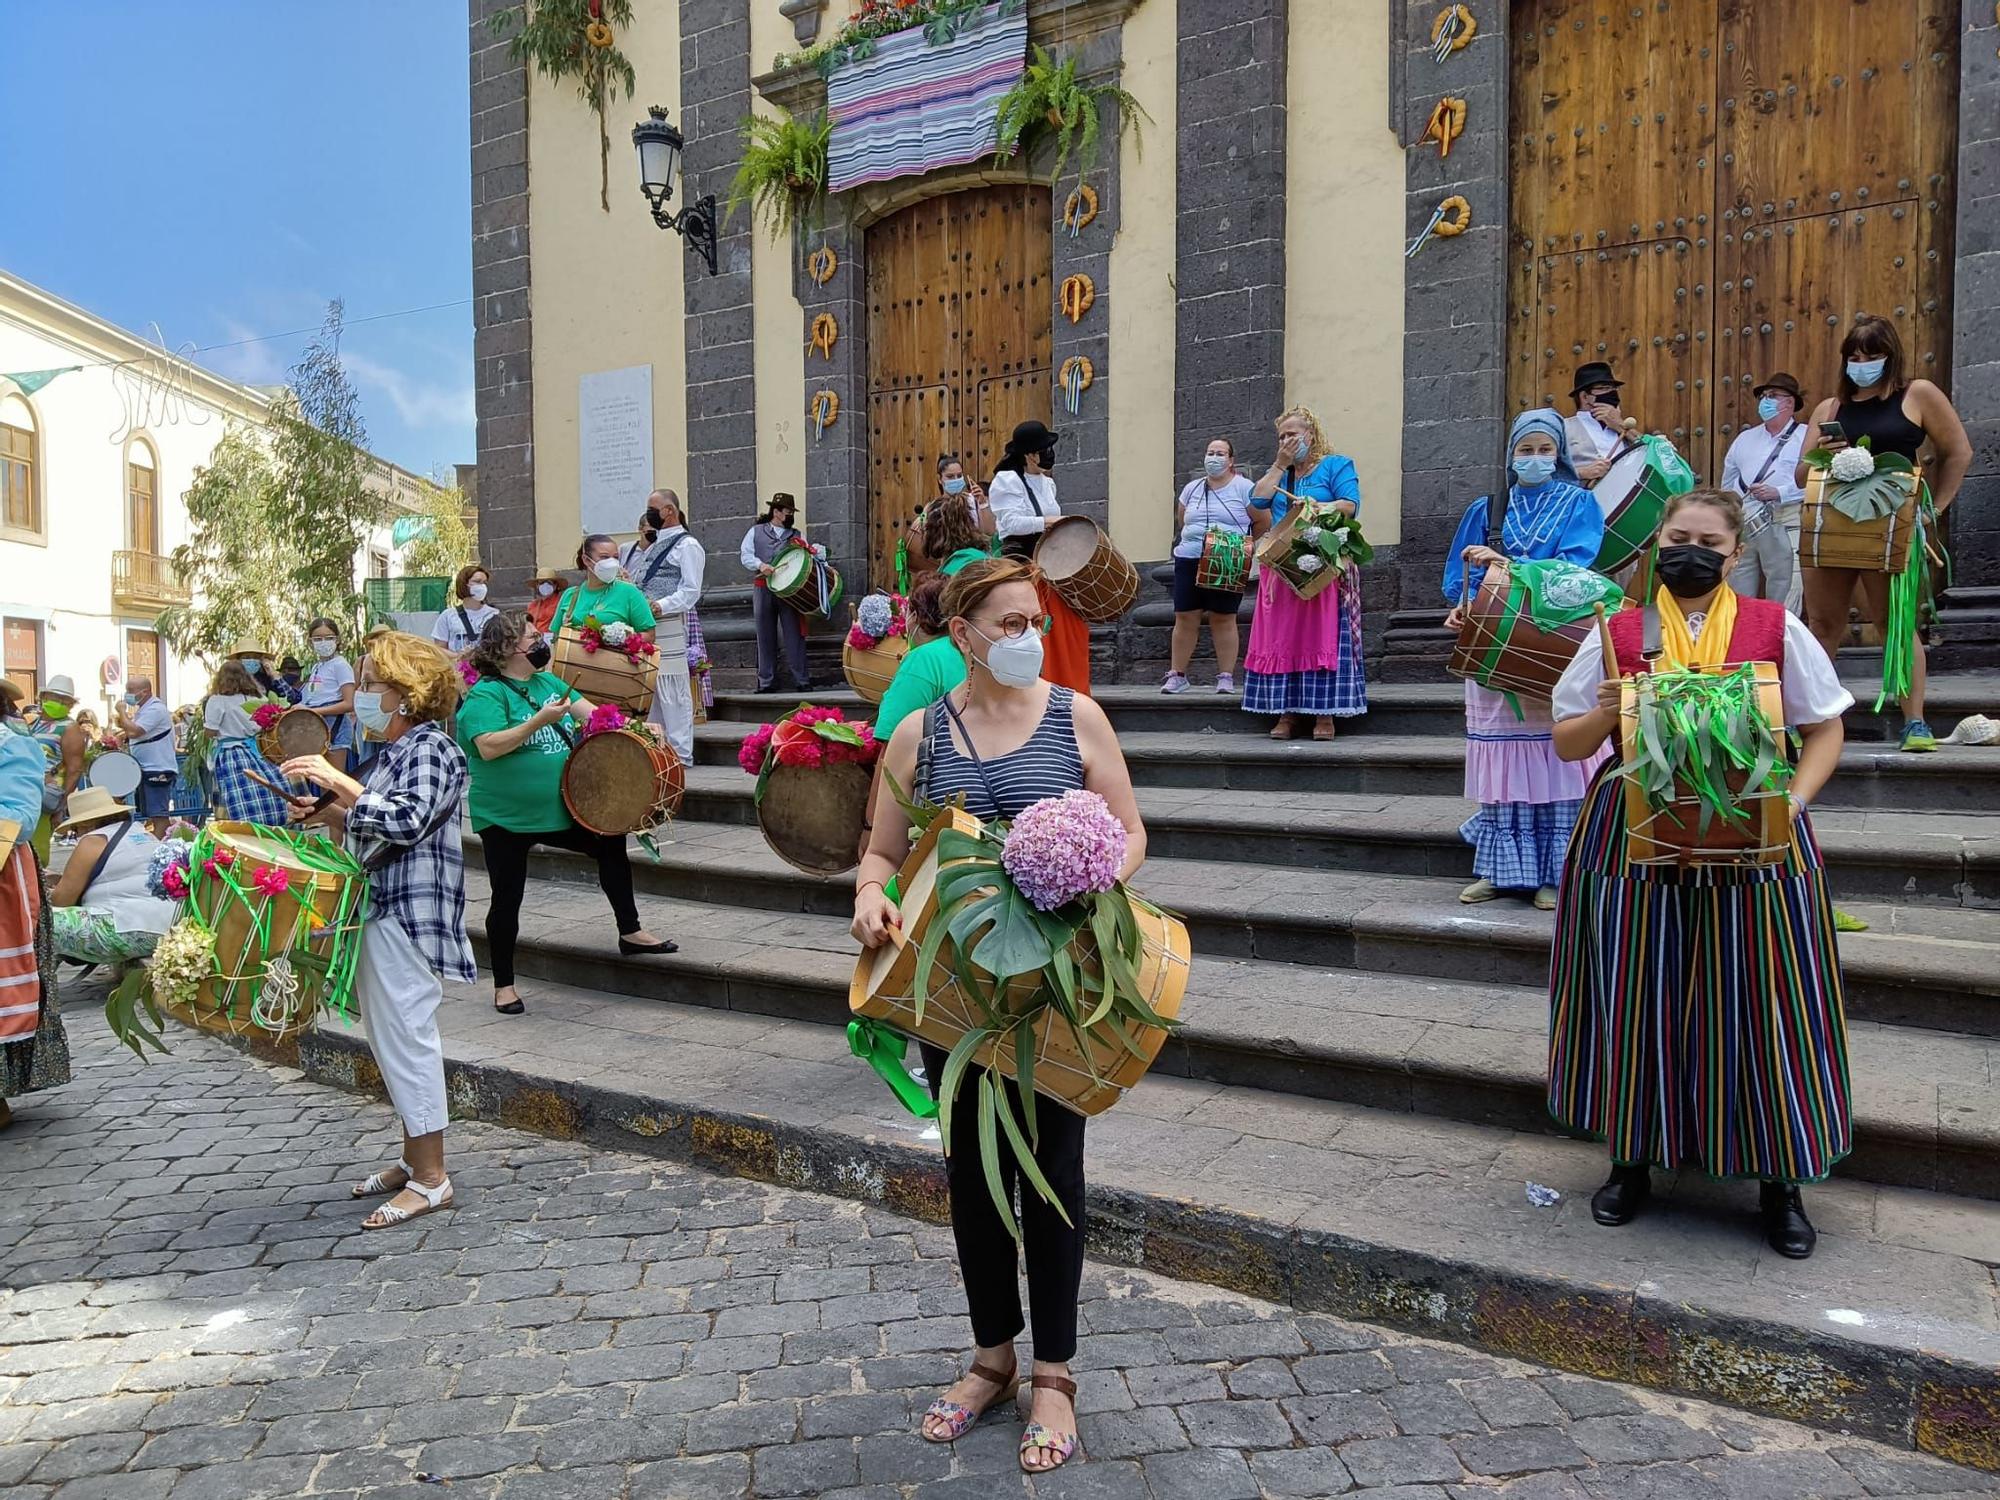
652	521
1048	457
1609	398
1690	571
538	655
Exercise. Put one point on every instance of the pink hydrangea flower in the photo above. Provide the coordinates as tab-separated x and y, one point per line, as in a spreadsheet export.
604	718
468	674
750	754
1064	847
270	880
219	861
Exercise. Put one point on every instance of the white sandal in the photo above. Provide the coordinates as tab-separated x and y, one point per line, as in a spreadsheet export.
377	1185
388	1215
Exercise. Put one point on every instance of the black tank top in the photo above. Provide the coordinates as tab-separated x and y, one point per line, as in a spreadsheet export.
1883	424
1046	765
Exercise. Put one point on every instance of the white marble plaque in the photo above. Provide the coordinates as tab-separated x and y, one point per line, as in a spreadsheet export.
614	447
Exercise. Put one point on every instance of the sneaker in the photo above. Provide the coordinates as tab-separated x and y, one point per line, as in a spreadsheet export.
1478	891
1917	738
1842	922
1545	898
1176	683
1225	683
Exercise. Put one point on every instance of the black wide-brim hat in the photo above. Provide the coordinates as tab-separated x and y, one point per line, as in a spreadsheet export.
1032	437
1597	372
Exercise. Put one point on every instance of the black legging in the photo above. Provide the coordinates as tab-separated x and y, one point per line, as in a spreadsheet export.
986	1255
506	855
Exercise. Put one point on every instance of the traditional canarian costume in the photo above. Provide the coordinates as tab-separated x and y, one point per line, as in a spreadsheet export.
1528	796
669	571
1696	1016
1020	502
1304	655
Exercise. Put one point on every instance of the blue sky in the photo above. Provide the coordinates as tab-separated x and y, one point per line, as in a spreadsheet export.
223	169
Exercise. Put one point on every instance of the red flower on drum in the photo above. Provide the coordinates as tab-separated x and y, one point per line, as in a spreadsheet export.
219	861
637	648
811	737
264	715
174	881
750	754
270	880
603	719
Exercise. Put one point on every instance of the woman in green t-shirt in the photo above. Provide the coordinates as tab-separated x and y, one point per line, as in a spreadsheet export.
605	592
516	745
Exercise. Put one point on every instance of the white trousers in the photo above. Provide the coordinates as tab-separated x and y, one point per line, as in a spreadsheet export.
673	709
399	998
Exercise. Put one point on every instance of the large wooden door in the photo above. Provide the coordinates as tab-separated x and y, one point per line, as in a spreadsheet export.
959	310
1705	191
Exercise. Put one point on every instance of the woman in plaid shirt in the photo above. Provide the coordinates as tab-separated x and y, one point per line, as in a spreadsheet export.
403	826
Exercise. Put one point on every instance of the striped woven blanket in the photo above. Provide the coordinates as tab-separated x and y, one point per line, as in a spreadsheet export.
913	107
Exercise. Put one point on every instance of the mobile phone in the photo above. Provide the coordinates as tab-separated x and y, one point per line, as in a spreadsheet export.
1832	430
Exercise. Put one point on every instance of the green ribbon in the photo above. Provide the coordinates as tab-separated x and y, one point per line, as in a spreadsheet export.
884	1051
1910	592
903	565
331	948
1229	557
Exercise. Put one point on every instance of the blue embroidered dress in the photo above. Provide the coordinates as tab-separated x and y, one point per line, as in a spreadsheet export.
1528	797
1304	655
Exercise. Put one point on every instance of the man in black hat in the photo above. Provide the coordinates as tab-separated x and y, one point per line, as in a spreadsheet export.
780	628
1762	467
1598	428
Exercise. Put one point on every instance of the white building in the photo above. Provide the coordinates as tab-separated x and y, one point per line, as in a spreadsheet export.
100	436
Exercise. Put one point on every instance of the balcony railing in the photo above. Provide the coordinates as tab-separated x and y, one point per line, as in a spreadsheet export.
145	580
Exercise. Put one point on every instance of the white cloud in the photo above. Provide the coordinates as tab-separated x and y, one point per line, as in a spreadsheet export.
420	403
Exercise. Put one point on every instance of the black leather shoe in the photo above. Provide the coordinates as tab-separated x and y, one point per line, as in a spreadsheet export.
1621	1198
1786	1228
665	945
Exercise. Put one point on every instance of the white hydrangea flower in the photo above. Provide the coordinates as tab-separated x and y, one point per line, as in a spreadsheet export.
1311	535
1311	563
616	633
1853	463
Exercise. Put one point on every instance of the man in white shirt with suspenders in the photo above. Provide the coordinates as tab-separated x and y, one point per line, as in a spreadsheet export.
1761	467
668	565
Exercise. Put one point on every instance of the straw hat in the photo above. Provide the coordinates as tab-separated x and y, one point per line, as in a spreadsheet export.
248	645
549	575
91	805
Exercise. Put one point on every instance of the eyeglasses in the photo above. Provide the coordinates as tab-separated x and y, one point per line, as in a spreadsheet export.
1013	627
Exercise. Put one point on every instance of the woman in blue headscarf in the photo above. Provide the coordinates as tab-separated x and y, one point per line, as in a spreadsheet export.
1528	797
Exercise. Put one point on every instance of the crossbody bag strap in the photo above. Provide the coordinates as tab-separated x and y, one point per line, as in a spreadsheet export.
561	726
104	858
658	560
389	853
972	753
465	620
1783	438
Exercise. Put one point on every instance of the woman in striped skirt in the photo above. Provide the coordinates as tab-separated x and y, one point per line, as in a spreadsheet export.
1696	1015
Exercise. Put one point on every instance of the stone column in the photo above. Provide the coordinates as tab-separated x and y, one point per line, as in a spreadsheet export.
1975	341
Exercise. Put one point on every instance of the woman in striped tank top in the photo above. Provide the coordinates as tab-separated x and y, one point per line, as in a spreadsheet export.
1004	740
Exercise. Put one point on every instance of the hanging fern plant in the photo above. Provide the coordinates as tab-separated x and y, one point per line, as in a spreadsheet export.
783	175
575	39
1050	96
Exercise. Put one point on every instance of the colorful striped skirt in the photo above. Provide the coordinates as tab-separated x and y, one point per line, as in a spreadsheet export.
1696	1018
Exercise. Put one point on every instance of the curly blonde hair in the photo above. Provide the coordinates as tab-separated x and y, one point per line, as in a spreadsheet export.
1319	448
421	671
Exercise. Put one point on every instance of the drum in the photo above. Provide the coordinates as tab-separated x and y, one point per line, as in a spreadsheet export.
884	984
1225	561
312	924
1633	495
622	781
807	582
1828	539
299	731
870	672
812	817
1500	647
1090	574
117	773
606	675
1673	835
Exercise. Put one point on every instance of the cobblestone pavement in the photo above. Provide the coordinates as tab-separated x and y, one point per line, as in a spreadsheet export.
187	1308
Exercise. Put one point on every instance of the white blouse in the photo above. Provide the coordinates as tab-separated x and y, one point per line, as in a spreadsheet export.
225	717
1809	686
1014	513
1227	509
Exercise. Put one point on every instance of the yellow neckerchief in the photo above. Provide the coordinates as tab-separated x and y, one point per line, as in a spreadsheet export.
1680	647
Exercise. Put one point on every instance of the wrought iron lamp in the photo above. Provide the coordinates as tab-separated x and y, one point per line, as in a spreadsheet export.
659	146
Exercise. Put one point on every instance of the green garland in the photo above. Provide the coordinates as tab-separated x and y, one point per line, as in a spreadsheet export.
1912	602
1702	731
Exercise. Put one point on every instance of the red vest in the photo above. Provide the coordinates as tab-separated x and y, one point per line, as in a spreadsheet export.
1759	636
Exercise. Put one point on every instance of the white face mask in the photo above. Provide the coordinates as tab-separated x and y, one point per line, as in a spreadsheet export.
606	569
1014	663
475	592
323	649
545	589
371	715
1217	465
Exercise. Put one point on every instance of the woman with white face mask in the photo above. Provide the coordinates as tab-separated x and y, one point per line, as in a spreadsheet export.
329	688
1005	739
457	629
544	593
1217	501
1879	401
605	592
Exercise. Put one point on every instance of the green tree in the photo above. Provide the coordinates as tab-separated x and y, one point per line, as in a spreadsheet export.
442	542
276	516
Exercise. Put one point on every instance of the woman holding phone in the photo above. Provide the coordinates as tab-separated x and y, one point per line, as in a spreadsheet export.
1878	401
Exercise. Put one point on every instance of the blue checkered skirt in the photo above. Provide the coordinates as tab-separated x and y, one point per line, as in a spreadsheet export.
236	795
1519	846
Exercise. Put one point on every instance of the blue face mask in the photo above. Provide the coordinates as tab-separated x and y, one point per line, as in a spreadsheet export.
955	486
1539	469
1767	408
370	715
1865	372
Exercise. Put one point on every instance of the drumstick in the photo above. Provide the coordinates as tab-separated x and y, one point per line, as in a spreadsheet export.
1604	641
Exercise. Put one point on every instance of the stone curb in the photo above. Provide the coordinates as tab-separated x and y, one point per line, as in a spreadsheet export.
1906	1397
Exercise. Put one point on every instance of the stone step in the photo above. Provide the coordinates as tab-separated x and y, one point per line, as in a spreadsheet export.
1435	707
1890	1331
1922	858
1955	779
1927	1109
1923	967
